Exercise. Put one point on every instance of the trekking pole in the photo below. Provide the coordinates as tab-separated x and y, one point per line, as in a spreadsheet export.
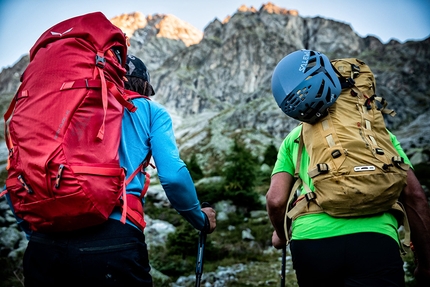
201	252
284	259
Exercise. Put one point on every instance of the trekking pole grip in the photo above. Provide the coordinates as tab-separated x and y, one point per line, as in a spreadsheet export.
207	227
206	204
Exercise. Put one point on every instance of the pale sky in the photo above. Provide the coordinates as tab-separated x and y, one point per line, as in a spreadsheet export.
23	21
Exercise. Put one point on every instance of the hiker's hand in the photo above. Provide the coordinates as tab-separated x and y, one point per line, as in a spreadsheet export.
211	214
277	242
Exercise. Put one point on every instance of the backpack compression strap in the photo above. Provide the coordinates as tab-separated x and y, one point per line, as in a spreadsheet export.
97	84
350	84
132	207
6	118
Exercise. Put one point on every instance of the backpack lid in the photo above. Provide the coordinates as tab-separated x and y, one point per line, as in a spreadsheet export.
86	27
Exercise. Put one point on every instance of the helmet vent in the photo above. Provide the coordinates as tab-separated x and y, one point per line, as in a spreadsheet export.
330	77
328	95
303	92
321	90
312	63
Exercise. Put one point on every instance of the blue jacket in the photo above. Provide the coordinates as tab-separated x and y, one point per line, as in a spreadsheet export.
150	128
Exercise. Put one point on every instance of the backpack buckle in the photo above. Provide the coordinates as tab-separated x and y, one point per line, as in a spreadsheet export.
310	196
355	71
100	61
25	185
379	151
336	153
323	167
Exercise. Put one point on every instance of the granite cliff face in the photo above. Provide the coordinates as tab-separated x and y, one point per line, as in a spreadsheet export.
220	88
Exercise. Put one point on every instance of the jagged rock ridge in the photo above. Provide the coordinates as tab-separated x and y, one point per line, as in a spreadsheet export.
167	26
219	87
223	81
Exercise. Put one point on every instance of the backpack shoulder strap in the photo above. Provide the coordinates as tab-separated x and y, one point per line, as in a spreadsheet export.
132	207
297	204
399	212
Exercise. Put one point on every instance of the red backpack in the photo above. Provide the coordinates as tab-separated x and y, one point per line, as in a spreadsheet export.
63	129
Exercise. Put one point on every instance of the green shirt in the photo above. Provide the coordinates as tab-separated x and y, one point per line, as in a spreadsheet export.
322	225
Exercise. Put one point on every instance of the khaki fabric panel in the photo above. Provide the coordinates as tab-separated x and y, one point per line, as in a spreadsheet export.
366	84
348	140
353	196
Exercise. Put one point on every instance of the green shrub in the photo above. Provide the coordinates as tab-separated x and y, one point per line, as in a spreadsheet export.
240	176
211	192
193	167
165	213
172	265
270	155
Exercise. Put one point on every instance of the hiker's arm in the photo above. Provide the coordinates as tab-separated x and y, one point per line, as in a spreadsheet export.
418	212
276	203
174	175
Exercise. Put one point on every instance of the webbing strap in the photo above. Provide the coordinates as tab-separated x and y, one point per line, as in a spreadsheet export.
98	170
6	118
97	84
147	179
100	69
299	155
297	184
124	204
298	207
141	168
80	84
129	207
287	226
300	204
384	104
405	245
119	97
3	192
287	221
135	211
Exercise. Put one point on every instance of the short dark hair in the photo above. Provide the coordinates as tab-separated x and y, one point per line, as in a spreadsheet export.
139	85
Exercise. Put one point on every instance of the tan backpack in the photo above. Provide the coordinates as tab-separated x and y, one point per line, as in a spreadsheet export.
355	169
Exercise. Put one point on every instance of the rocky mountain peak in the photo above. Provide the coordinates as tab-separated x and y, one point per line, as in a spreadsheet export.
218	88
245	8
130	22
273	9
171	27
167	26
269	7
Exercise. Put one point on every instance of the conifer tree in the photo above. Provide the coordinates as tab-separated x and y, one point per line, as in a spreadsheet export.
194	168
270	155
240	177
